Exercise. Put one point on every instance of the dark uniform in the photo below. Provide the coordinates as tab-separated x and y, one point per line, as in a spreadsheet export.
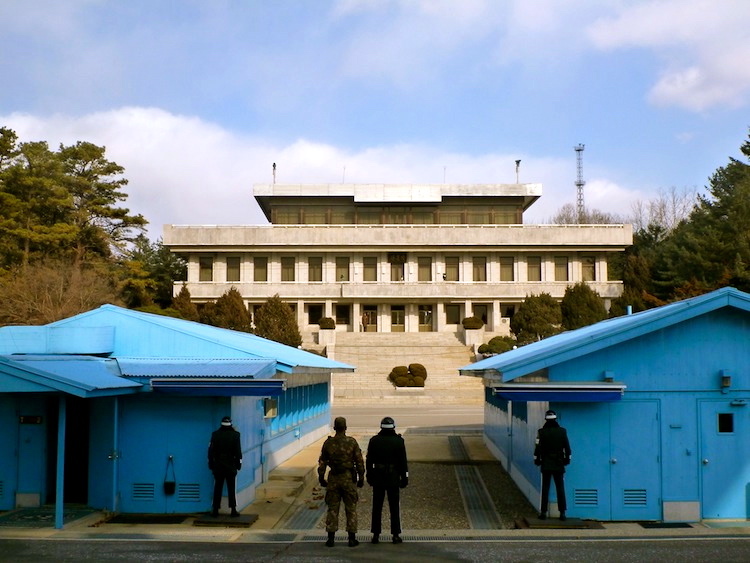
224	460
552	453
387	473
343	455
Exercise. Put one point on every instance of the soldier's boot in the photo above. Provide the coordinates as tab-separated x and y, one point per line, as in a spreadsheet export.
234	513
562	516
397	539
375	538
330	540
353	539
542	516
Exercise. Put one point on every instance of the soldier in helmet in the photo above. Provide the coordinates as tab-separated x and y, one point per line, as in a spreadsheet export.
224	460
552	453
342	454
387	472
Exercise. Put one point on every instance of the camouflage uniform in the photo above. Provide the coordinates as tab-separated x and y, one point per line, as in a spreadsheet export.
342	454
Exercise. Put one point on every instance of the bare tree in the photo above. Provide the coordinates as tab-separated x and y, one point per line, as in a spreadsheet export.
666	210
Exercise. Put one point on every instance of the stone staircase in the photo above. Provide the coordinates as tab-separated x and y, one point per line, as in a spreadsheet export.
376	354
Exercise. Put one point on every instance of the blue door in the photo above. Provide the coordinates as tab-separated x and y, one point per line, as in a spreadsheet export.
153	429
8	452
724	466
635	474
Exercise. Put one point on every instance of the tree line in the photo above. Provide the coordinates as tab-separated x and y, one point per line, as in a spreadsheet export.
68	245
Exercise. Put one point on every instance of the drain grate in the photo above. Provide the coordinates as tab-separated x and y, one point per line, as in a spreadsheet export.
477	501
458	450
305	518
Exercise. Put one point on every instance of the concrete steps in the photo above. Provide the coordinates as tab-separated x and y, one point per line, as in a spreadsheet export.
376	354
289	478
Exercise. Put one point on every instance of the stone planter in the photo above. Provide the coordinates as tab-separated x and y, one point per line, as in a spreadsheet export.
473	336
327	336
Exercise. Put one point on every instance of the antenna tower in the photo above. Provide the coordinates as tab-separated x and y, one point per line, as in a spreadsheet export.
580	207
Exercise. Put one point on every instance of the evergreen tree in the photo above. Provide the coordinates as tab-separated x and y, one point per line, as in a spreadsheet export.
275	320
538	317
183	303
231	312
581	306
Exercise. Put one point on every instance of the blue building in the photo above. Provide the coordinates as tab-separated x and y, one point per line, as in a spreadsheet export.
656	407
92	408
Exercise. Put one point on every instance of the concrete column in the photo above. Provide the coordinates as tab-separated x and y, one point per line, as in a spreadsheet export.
601	273
440	316
495	316
220	269
193	269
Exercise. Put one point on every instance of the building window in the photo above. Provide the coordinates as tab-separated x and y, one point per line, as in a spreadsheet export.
452	314
422	217
451	268
479	269
368	216
343	314
425	318
726	422
314	313
397	272
397	318
260	268
588	269
450	217
315	269
561	268
315	215
369	269
287	268
506	268
534	266
424	269
342	268
233	268
342	216
206	268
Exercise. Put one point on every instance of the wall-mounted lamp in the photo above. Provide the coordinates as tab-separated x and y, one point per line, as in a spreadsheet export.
726	381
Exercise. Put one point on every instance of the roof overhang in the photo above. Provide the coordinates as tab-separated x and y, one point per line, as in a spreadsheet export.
230	387
561	392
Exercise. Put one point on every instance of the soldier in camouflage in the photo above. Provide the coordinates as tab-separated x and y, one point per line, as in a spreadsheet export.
343	455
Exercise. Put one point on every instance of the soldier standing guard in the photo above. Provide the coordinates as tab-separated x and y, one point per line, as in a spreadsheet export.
343	455
552	453
224	460
387	473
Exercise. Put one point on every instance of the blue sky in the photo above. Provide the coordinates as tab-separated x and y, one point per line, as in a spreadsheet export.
196	99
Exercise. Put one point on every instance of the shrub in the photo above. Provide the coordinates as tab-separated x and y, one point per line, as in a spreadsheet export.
472	322
498	345
402	371
418	370
327	323
401	381
418	381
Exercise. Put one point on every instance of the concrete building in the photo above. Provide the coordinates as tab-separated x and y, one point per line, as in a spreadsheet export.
94	407
655	404
397	258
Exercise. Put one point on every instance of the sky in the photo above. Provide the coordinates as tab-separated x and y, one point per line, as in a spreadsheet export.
197	99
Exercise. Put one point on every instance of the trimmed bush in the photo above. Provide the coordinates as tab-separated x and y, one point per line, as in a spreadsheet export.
401	381
472	322
327	323
418	370
418	381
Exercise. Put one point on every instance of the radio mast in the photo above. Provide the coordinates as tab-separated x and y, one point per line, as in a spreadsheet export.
580	207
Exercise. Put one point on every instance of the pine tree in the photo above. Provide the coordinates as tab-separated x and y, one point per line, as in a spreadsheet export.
581	306
538	317
275	320
184	305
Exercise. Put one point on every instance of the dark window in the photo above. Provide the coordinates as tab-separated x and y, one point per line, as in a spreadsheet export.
726	422
287	269
561	268
534	264
343	314
370	269
342	268
315	269
233	268
260	268
588	269
424	268
314	313
452	314
479	268
506	268
206	266
451	268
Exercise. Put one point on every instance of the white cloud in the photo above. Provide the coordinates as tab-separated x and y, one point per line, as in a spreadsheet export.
183	170
704	46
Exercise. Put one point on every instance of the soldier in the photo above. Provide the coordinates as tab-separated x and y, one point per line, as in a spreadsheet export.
387	472
224	460
552	453
342	454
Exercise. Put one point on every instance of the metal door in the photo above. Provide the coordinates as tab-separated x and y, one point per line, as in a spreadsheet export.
635	474
724	470
8	452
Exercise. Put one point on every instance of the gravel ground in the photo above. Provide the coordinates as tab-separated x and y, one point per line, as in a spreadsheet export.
432	500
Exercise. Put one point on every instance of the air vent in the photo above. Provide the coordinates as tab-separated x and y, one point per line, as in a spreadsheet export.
143	491
188	492
634	497
586	497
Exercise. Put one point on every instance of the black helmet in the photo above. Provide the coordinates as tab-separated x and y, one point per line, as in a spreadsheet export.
388	423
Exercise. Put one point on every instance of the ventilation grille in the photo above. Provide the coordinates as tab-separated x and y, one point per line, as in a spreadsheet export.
143	491
634	497
586	497
188	492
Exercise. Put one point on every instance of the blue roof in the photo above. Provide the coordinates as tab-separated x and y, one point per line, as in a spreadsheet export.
82	376
197	367
140	334
576	343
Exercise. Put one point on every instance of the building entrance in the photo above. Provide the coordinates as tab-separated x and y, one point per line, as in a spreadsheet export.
370	318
